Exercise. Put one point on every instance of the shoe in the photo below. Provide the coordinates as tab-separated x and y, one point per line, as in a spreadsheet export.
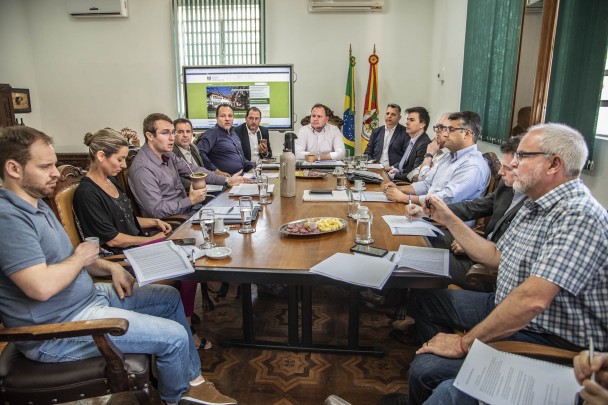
404	324
371	297
206	394
408	339
393	399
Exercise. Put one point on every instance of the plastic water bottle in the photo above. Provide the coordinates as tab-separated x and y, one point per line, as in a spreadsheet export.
365	219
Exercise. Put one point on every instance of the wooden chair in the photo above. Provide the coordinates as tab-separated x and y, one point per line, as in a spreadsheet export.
25	381
61	201
494	164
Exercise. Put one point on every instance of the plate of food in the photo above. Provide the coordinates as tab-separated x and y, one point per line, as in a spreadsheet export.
309	174
312	226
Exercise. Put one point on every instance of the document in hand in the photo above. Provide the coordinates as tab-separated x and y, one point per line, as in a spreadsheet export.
401	225
360	270
416	259
501	378
158	262
248	189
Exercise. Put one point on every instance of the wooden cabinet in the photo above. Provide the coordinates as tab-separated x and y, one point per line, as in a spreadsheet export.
7	115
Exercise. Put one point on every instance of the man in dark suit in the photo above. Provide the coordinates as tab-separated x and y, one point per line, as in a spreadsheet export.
501	206
387	144
254	138
416	124
183	146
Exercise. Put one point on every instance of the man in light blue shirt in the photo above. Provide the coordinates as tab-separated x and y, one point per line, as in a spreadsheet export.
462	176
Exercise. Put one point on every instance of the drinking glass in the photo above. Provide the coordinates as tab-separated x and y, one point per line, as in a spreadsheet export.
365	220
364	159
340	179
262	182
353	208
350	164
93	239
207	221
246	209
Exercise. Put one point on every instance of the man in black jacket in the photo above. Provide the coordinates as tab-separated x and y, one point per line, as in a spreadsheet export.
254	138
501	205
387	143
416	124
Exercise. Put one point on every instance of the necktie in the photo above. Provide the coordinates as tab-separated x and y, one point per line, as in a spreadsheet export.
410	146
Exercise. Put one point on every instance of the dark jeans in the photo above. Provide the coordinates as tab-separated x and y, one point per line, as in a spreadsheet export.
446	311
459	264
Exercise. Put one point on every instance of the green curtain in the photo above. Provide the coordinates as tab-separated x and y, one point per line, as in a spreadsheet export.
490	64
577	71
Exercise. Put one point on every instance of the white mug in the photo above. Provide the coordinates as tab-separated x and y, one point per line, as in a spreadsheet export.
359	185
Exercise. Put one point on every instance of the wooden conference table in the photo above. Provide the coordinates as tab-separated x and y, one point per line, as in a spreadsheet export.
267	256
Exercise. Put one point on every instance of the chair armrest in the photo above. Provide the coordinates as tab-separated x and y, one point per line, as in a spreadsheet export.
112	326
402	183
535	350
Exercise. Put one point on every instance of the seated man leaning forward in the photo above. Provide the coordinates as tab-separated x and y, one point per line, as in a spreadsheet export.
318	138
464	175
552	285
47	281
154	176
501	206
221	147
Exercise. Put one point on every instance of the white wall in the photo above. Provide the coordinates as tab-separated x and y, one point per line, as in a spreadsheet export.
86	74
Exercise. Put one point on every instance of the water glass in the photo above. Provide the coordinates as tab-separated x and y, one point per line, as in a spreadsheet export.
207	221
365	220
363	162
350	164
353	208
93	239
340	179
246	209
262	182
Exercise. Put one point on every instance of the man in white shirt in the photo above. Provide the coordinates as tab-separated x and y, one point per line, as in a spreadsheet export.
318	138
254	137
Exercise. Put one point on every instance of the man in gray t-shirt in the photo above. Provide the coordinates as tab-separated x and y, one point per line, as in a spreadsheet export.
44	280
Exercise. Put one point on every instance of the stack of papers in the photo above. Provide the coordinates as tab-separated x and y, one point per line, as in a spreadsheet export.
336	195
159	261
401	225
366	174
366	271
248	189
503	378
416	259
375	166
269	175
370	196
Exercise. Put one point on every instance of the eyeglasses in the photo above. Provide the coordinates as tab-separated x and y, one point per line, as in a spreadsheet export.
440	128
452	129
520	155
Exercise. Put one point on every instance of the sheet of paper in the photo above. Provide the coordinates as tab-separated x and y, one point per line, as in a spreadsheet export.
193	251
157	262
336	195
360	270
371	196
248	189
423	260
401	225
213	188
503	378
375	166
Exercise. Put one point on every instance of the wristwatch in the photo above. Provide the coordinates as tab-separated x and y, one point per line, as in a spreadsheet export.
428	155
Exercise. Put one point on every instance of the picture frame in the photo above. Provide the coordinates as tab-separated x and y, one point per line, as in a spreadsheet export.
21	100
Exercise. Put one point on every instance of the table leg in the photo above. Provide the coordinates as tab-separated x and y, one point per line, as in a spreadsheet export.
306	315
292	315
247	308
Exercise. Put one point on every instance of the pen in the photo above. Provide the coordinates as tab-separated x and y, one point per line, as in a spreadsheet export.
409	213
230	210
192	257
591	350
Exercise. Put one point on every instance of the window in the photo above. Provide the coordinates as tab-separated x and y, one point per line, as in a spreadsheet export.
210	32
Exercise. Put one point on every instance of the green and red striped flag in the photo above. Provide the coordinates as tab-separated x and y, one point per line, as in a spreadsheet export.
370	108
348	130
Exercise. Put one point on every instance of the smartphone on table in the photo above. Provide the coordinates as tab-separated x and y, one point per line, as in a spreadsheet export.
369	250
185	241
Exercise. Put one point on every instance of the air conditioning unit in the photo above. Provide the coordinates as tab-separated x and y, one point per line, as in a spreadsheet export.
325	6
97	8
